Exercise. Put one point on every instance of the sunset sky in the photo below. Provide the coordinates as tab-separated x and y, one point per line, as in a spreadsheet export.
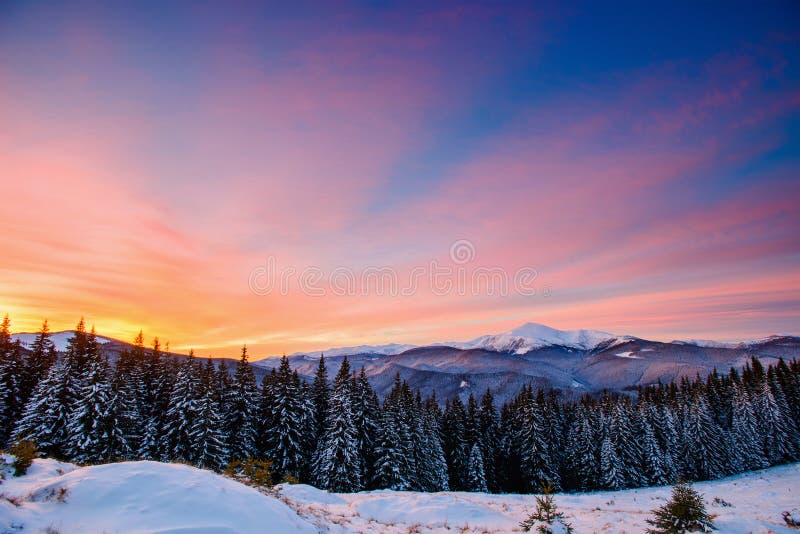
642	159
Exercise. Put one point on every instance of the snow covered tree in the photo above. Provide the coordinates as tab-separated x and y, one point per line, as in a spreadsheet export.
286	441
431	465
476	474
182	412
654	462
41	358
489	439
320	397
241	420
703	444
612	475
745	444
391	464
583	455
337	466
11	381
454	443
47	414
536	464
685	512
366	415
207	437
94	430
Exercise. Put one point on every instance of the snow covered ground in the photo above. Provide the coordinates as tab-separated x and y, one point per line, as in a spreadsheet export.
752	502
151	497
138	497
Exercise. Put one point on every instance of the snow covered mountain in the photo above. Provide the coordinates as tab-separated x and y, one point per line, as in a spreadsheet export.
531	336
525	338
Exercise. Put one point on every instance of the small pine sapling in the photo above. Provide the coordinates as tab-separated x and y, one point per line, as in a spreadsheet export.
546	518
684	512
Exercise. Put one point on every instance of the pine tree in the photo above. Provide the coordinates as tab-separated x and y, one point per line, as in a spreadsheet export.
476	475
47	413
391	464
11	381
337	464
489	439
287	446
94	429
611	469
432	470
241	416
623	429
584	455
536	464
182	412
320	396
546	518
703	443
685	512
744	435
654	464
42	357
454	444
366	414
126	382
207	437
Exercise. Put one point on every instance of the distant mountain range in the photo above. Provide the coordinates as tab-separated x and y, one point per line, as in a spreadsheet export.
571	361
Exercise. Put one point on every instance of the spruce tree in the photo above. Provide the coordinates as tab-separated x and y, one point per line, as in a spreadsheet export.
584	453
320	396
337	465
207	437
489	439
11	381
391	463
41	358
703	443
366	415
242	401
182	412
94	430
455	444
46	416
287	447
685	512
476	475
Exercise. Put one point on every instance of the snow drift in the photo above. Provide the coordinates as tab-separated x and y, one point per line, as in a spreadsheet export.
139	497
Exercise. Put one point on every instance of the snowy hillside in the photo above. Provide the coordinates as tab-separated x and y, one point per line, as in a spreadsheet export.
385	350
60	339
152	497
748	503
141	497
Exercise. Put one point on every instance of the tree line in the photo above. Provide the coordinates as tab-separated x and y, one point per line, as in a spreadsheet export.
338	435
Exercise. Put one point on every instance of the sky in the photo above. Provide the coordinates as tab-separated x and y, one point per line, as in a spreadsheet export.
328	174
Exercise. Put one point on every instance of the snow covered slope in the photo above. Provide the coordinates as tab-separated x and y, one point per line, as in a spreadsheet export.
748	503
59	339
140	497
384	350
152	497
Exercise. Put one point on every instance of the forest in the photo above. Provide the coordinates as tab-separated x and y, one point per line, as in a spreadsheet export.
338	435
